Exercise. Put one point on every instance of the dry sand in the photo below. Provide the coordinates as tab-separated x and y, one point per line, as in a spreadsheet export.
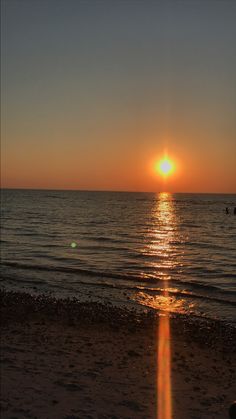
65	360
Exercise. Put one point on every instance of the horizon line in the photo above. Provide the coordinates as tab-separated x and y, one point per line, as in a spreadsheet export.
111	190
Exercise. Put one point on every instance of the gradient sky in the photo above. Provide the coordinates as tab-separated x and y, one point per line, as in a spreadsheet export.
94	91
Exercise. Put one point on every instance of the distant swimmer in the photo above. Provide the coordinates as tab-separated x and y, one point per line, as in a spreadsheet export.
227	210
234	210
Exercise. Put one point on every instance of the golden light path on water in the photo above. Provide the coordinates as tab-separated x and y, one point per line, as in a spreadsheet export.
165	214
160	242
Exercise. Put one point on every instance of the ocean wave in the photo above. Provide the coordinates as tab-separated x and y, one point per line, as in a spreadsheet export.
148	280
119	287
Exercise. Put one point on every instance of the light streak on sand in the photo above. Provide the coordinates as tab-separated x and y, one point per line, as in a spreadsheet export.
164	406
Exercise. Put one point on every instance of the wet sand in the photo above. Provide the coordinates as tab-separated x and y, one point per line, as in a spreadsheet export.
67	360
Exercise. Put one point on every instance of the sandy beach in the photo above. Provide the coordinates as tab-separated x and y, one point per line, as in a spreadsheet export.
68	360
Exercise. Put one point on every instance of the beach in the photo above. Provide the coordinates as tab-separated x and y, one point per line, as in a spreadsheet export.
64	359
118	210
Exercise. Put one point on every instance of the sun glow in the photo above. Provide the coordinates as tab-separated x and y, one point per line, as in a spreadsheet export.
165	166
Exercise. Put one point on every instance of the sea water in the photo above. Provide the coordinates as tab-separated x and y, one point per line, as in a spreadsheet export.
123	248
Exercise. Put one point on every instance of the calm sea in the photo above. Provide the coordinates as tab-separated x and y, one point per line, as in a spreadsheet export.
173	252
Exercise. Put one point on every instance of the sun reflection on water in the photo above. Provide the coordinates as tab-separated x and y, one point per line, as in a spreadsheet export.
165	214
163	256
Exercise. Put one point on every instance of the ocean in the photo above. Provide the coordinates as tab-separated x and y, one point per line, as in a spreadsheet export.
170	252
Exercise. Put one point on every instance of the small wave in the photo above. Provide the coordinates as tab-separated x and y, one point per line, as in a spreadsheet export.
23	280
106	239
55	197
203	245
126	277
121	287
92	248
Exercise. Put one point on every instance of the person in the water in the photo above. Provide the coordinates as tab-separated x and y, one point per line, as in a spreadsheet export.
234	210
227	210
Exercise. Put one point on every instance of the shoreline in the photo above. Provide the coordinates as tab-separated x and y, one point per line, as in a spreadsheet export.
65	359
71	309
140	298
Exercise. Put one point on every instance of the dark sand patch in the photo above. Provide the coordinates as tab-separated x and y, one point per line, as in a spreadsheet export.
62	359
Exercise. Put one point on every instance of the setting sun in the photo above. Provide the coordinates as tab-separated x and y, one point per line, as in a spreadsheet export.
165	166
118	204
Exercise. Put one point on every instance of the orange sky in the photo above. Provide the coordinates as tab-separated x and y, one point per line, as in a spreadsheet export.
93	95
122	168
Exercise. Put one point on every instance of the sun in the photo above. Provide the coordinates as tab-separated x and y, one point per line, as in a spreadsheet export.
165	166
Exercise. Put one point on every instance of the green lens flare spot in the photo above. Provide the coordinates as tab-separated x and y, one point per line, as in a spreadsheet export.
73	245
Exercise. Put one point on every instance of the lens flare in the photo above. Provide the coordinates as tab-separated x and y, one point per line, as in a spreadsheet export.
73	245
164	410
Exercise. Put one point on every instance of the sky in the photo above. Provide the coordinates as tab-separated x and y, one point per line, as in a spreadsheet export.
95	92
